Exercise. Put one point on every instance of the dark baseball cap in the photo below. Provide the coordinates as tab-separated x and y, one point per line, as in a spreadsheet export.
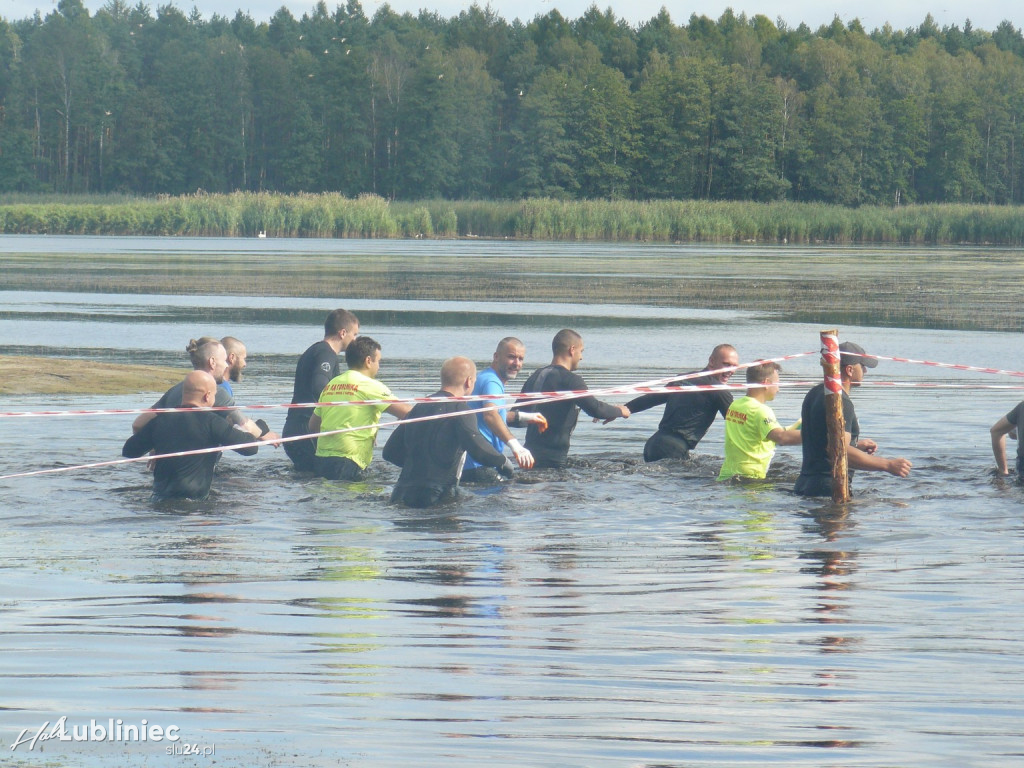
852	354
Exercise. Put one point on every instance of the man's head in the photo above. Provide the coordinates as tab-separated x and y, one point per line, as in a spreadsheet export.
853	363
458	375
363	355
208	354
508	358
341	326
568	345
767	375
199	391
723	356
236	353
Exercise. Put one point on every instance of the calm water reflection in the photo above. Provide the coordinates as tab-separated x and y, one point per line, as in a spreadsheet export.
615	614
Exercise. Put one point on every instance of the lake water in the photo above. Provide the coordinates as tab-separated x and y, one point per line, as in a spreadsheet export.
616	614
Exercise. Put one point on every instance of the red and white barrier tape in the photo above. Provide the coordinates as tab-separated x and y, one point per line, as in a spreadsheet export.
530	398
536	398
951	366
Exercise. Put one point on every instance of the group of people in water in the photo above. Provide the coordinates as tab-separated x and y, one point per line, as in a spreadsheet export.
444	441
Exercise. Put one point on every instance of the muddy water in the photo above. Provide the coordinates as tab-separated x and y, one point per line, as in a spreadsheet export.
615	614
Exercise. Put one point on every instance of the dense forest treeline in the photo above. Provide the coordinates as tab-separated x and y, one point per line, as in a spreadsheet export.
474	107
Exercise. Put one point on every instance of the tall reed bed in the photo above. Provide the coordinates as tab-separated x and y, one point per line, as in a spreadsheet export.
244	214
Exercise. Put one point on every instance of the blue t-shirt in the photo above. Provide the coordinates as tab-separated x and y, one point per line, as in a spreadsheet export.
226	385
487	383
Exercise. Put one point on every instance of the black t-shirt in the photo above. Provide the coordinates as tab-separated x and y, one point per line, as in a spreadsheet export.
816	463
221	399
185	476
552	445
316	367
429	452
687	416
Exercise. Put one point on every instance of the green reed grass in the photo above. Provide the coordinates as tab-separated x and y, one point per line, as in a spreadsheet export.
246	214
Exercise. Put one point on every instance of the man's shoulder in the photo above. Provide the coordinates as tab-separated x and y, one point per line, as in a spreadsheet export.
562	376
1014	416
488	383
222	398
319	352
748	406
172	397
816	391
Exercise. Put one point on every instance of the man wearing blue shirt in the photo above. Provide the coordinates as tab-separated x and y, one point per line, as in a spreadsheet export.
493	425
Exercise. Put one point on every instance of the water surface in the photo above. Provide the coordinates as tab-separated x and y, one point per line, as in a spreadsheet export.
615	614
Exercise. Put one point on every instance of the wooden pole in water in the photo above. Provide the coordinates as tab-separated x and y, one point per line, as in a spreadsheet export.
834	423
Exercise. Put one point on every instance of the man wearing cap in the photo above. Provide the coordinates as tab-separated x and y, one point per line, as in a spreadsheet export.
816	473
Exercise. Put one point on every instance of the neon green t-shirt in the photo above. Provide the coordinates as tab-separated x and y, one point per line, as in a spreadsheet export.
358	445
748	451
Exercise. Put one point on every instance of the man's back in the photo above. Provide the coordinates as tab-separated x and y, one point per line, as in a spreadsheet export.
430	452
356	445
748	451
315	368
816	470
172	399
185	476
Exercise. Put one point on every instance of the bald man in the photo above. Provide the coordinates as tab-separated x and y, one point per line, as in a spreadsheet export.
431	453
494	424
188	477
689	414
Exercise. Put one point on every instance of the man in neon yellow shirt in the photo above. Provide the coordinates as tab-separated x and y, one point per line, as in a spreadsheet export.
344	456
751	430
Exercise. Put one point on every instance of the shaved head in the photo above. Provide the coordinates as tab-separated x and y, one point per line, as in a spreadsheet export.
723	356
456	370
237	355
198	386
508	358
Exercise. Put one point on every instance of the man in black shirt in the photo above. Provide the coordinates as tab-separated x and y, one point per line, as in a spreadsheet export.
816	471
431	453
316	367
187	477
550	448
688	415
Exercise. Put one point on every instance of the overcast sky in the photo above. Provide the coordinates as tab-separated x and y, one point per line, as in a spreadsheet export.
984	14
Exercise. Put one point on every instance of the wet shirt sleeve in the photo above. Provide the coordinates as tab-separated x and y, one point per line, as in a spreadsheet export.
323	372
140	443
227	435
471	439
590	405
